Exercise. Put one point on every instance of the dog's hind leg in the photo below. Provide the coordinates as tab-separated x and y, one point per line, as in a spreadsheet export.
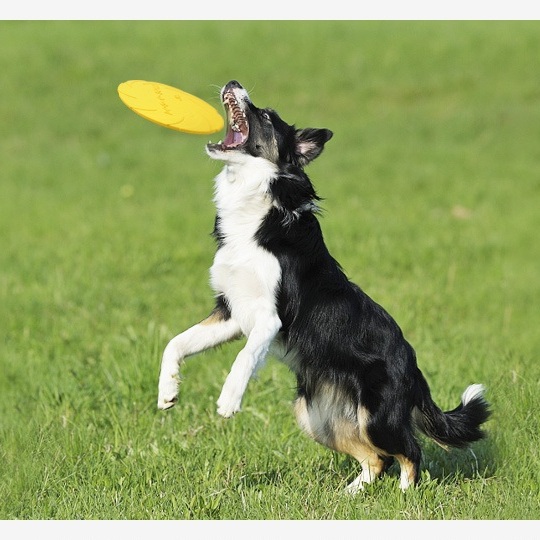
341	433
353	440
402	445
217	328
409	471
249	359
372	465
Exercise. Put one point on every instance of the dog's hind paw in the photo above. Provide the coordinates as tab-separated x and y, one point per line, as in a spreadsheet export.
357	486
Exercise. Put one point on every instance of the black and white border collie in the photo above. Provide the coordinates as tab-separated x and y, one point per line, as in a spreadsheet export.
360	390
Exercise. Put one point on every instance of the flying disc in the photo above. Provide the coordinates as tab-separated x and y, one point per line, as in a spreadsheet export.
170	107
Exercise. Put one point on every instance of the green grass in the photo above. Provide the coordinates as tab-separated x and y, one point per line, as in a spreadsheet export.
431	192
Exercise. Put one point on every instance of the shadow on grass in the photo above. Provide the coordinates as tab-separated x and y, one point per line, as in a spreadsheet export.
444	466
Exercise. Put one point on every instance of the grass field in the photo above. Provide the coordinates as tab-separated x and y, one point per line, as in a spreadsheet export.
431	190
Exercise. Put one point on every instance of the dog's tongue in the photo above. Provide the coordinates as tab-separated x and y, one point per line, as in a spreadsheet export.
233	138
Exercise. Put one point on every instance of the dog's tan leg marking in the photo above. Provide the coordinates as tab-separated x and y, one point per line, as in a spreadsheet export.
372	467
352	438
212	331
216	316
408	472
342	435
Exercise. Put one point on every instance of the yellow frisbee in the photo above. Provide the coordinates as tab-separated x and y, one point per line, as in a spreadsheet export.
170	107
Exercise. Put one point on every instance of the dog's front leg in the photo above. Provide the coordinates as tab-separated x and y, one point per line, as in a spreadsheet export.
249	359
217	328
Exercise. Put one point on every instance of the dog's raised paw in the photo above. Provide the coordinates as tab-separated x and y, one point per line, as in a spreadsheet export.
227	412
167	393
227	407
165	404
230	398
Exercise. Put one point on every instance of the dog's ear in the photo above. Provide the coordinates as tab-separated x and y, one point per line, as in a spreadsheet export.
310	143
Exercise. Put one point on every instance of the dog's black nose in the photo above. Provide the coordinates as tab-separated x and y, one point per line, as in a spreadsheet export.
233	84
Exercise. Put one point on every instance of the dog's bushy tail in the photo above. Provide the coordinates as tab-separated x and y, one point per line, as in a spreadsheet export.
458	427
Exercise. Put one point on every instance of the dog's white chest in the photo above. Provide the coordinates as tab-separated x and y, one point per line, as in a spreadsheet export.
247	274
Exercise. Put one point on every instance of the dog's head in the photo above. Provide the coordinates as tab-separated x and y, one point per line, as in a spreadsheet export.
261	133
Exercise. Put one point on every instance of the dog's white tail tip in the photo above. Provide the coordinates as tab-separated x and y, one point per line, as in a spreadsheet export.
473	391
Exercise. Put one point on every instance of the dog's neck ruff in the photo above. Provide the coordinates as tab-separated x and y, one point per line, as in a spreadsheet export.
243	194
242	201
243	184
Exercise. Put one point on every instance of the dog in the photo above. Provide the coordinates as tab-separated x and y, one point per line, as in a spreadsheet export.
359	389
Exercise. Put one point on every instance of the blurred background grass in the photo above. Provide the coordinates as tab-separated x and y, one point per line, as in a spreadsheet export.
431	187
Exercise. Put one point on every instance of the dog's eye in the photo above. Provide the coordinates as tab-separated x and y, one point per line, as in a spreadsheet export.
266	116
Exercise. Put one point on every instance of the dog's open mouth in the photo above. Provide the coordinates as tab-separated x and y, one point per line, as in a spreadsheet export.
237	125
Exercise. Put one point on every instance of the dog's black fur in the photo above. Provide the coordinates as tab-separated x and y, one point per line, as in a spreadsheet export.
360	390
